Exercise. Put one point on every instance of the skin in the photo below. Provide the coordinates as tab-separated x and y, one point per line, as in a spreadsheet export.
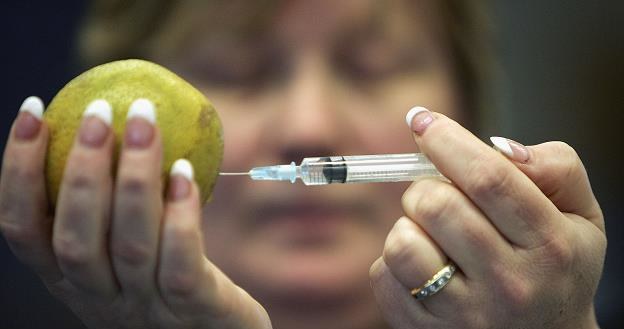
508	226
527	237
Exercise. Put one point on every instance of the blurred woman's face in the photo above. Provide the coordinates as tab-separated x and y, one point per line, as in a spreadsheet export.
316	78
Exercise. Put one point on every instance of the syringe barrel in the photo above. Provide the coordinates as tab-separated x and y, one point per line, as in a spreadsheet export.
366	168
388	168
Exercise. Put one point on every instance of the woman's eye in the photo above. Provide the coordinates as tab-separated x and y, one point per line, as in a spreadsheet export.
233	68
377	61
224	73
370	69
229	74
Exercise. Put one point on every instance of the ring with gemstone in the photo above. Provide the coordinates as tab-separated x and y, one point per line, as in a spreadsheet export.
436	283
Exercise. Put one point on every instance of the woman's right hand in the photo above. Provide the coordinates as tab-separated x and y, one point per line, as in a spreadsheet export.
116	251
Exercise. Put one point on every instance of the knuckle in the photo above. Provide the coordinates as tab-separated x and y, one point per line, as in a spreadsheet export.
71	252
132	197
131	253
17	174
178	284
79	183
474	319
179	232
559	253
375	273
476	237
133	185
407	199
399	246
486	177
427	200
16	234
513	289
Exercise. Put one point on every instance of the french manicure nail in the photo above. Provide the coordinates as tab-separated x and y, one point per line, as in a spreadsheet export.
418	119
511	149
96	122
180	180
34	106
28	120
140	124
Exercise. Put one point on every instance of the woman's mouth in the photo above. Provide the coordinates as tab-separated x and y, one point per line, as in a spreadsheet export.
306	223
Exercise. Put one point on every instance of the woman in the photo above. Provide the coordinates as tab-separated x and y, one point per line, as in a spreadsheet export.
290	79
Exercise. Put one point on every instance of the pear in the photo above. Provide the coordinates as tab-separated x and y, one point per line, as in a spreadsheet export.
189	124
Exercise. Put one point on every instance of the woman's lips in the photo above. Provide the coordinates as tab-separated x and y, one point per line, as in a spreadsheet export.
306	222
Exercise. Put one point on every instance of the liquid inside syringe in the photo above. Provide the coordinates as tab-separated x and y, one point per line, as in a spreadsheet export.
349	169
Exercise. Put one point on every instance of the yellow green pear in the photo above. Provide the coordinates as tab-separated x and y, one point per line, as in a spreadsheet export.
189	124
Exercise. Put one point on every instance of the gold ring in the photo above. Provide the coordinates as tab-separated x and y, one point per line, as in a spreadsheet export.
436	283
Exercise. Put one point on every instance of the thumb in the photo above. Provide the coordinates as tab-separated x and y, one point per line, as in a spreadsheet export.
557	170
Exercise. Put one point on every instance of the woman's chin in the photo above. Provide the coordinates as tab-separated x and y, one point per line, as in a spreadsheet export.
309	276
316	288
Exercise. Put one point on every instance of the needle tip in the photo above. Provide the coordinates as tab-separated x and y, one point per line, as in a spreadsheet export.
233	173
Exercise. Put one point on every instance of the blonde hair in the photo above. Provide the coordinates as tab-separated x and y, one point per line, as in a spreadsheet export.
115	29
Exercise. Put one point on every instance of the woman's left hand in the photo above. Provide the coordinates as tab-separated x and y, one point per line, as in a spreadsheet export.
527	236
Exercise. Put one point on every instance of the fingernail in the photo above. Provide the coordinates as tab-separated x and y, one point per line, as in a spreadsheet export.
140	123
418	119
511	149
180	180
28	120
96	122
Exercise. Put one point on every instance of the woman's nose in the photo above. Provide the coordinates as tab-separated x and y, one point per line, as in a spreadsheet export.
309	118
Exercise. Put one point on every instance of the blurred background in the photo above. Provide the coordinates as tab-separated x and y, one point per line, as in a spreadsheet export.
563	79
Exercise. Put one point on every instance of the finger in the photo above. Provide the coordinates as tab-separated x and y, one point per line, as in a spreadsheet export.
456	225
24	217
559	172
83	207
411	255
413	258
138	204
398	306
189	284
513	203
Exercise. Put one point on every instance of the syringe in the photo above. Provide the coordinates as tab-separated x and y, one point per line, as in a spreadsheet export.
348	169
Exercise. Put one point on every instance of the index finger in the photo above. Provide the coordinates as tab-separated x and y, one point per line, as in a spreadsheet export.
512	202
24	217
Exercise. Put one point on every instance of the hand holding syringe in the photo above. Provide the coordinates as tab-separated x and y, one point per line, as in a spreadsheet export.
349	169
